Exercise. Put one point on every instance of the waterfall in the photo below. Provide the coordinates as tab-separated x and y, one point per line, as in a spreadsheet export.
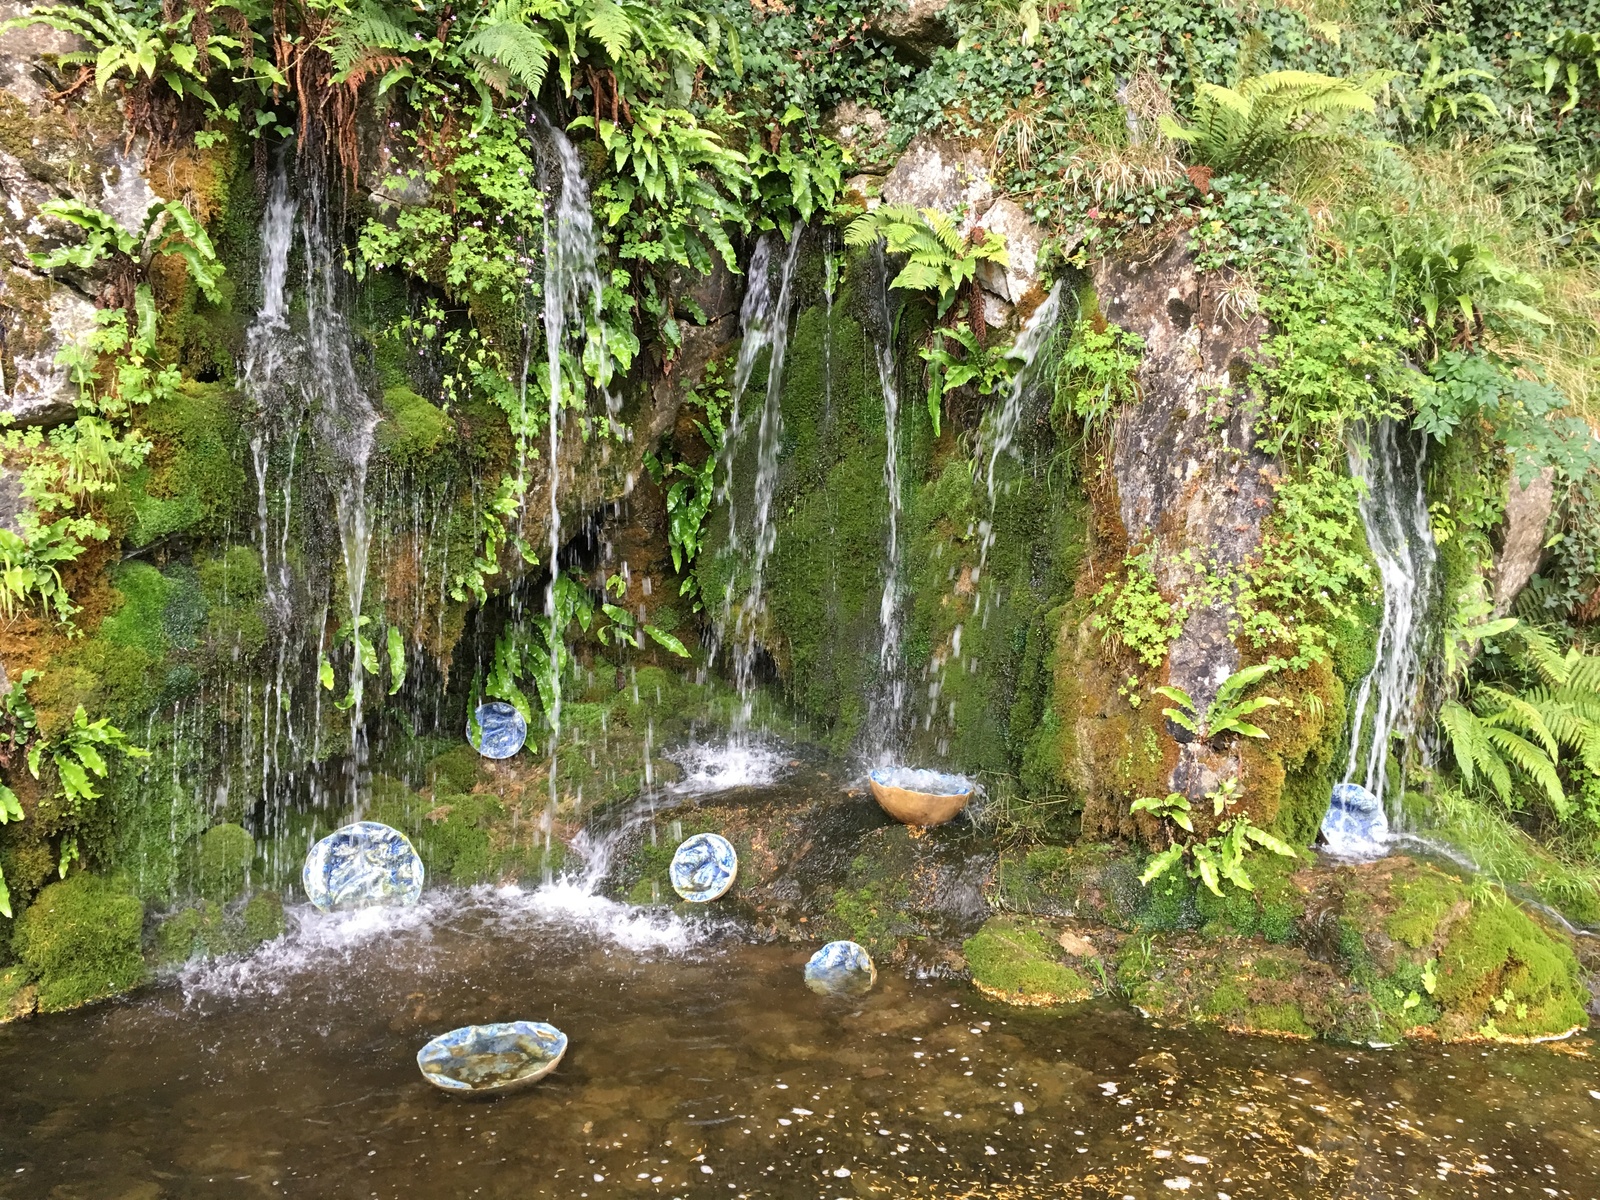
1394	510
885	733
572	291
295	370
1036	336
764	322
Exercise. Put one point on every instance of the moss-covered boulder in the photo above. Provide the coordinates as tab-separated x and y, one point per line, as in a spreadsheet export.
80	939
19	995
1024	961
209	929
226	852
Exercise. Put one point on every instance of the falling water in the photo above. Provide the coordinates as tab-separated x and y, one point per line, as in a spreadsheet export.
1394	509
764	322
885	733
294	370
1037	336
572	292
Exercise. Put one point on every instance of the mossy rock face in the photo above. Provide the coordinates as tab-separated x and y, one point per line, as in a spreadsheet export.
411	429
1022	961
466	837
209	930
226	852
80	938
19	995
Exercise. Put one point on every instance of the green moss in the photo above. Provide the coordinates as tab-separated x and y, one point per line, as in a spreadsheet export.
233	587
193	480
263	918
464	838
1013	961
209	929
80	939
226	852
454	771
411	429
1270	911
140	620
1500	974
18	996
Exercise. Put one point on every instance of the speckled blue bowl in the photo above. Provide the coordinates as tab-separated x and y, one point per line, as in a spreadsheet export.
360	866
503	730
704	867
482	1060
1356	825
841	969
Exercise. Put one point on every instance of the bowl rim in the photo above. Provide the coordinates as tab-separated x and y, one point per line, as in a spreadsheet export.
491	1029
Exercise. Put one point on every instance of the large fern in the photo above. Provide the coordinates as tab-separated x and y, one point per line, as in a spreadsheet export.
1538	735
1269	121
938	257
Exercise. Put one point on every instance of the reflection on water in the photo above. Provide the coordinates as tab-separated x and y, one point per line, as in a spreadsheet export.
701	1066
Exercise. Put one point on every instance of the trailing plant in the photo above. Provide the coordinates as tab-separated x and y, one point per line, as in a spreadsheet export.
1098	374
1217	859
1227	710
18	726
938	258
79	756
978	366
1131	612
1269	123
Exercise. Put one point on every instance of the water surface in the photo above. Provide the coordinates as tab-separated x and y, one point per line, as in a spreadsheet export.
700	1066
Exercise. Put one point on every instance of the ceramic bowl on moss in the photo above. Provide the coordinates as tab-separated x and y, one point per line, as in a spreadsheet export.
1355	825
497	730
484	1060
915	797
704	867
361	866
841	969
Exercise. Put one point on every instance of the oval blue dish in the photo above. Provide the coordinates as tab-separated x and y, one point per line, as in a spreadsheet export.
481	1060
362	865
501	730
704	867
841	969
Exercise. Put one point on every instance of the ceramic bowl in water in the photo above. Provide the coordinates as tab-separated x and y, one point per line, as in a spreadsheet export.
915	797
704	867
481	1060
360	866
1355	825
841	969
502	730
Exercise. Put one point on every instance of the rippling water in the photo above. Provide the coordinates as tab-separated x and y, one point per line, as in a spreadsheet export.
700	1066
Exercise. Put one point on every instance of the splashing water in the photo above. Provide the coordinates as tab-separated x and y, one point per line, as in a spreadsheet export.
719	766
1394	510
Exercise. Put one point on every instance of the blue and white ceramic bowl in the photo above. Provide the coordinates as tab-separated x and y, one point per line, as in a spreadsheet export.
841	969
360	866
1356	825
481	1060
503	731
704	867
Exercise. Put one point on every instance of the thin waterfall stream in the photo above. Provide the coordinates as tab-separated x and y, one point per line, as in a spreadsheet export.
1394	510
885	733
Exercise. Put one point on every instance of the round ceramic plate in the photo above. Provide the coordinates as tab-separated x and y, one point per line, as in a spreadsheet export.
483	1059
841	969
704	867
503	730
362	865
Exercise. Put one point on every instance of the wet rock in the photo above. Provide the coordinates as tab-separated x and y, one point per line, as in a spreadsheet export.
1527	517
917	30
938	173
1018	960
25	70
1023	242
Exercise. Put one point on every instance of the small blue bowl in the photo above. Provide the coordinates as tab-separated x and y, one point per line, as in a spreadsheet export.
360	866
502	730
841	969
482	1060
704	867
1355	824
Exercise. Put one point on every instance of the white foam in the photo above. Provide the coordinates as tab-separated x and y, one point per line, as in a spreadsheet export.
628	926
929	783
717	767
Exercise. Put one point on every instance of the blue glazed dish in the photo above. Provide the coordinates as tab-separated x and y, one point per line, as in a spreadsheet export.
482	1060
362	865
502	731
841	969
704	867
1355	825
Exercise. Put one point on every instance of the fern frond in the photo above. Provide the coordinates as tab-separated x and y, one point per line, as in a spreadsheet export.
1530	760
511	55
1539	651
370	26
609	25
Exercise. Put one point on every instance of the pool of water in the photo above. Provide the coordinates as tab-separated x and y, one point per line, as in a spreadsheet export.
700	1066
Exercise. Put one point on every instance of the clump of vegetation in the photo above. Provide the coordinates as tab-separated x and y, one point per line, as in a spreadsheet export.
81	939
